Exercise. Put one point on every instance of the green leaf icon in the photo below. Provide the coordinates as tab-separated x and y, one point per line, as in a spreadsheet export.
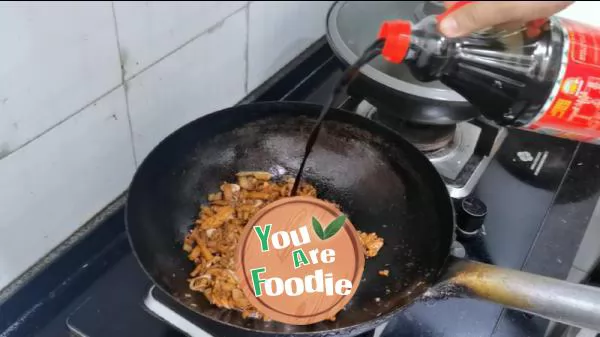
331	229
334	226
318	229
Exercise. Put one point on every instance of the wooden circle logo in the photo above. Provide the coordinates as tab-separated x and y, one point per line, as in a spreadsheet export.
299	260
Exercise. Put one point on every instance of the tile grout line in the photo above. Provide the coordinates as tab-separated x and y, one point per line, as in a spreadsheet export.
208	30
41	134
247	48
124	84
92	102
63	246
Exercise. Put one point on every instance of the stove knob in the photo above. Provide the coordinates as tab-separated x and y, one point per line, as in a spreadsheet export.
470	216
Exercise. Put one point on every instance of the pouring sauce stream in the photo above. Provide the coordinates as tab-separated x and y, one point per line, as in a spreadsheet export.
348	76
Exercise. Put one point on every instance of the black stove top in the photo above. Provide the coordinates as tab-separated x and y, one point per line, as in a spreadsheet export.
535	222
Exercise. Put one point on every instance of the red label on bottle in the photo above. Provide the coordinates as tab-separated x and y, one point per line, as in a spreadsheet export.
573	108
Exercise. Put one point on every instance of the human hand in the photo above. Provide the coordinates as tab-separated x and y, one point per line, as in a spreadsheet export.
484	14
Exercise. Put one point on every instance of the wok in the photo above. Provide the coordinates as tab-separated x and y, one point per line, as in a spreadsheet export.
383	183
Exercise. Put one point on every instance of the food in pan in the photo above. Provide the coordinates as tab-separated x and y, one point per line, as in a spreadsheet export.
371	242
212	243
384	272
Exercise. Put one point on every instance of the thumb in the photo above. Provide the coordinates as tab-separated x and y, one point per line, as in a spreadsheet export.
449	4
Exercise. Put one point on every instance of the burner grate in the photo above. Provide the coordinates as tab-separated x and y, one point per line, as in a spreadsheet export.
164	312
460	152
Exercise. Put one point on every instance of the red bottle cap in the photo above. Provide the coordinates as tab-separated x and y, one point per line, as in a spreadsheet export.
397	39
397	35
534	28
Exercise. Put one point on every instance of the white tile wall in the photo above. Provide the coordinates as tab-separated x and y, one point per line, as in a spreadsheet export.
192	82
279	31
150	30
56	183
54	59
67	147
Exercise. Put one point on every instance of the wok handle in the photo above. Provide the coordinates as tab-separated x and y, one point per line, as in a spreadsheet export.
569	303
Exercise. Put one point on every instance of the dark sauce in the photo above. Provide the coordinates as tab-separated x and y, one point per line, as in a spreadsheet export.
349	74
507	75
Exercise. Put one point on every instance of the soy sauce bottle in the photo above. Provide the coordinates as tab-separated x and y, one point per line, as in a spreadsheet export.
543	77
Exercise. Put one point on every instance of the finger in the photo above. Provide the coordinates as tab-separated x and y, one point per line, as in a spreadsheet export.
509	26
480	15
449	4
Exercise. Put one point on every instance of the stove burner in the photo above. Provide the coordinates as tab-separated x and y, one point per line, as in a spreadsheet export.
460	152
169	313
426	138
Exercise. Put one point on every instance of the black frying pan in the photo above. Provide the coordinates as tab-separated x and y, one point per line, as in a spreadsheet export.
381	181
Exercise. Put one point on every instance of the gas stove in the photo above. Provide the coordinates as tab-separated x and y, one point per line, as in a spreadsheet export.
534	222
460	152
464	155
160	308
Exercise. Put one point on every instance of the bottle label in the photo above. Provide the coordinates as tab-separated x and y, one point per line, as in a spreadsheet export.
573	108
